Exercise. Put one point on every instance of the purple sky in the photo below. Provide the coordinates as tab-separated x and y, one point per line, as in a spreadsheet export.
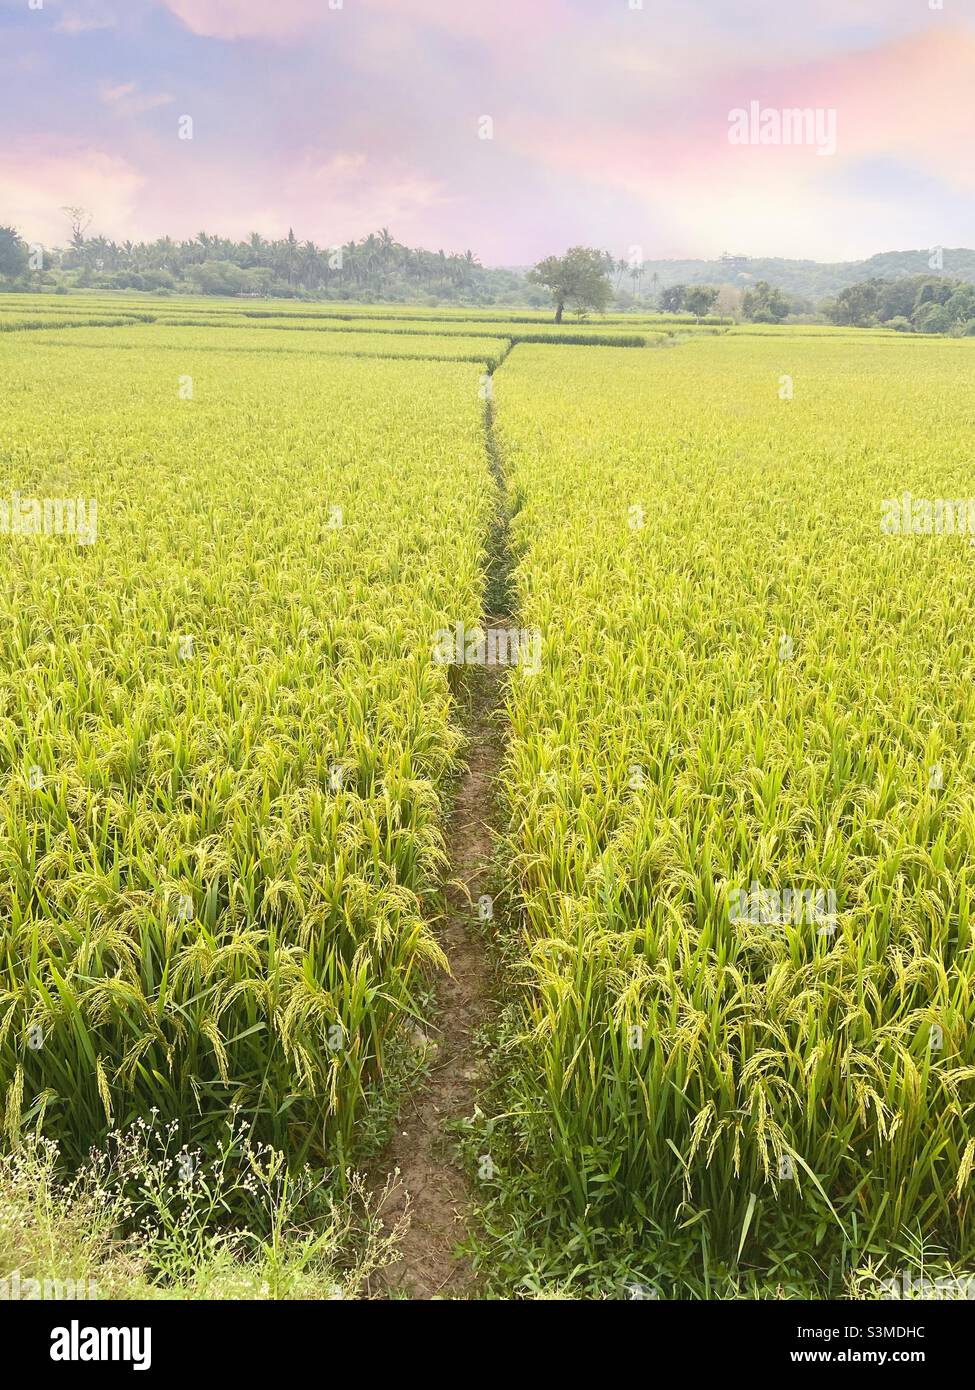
610	123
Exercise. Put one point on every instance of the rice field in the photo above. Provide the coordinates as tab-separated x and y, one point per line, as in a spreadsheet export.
744	682
224	749
10	321
188	340
733	816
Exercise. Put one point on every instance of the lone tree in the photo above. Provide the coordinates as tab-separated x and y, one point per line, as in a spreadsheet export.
80	219
577	279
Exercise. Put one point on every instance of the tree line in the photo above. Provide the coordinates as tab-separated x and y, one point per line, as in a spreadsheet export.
376	267
914	304
379	268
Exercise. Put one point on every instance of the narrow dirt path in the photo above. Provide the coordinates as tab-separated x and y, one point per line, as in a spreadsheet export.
431	1186
429	1179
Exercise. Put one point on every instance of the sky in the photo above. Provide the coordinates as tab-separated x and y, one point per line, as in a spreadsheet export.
514	128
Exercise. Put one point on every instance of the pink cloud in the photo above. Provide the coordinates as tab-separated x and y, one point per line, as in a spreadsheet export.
40	177
499	22
80	24
611	124
343	193
915	100
112	95
247	19
126	99
912	100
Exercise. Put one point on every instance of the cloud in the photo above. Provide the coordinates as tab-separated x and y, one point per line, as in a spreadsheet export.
499	23
611	124
128	100
914	100
83	24
248	19
112	95
39	177
346	192
908	102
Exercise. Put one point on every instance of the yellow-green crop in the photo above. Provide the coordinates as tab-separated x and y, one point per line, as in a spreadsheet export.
738	797
745	682
224	747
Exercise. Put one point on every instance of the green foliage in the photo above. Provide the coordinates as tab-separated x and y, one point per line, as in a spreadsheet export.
199	920
13	254
930	303
577	280
763	304
147	1218
933	318
673	1075
700	300
671	299
376	267
196	913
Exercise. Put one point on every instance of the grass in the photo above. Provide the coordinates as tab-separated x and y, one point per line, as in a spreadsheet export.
145	1219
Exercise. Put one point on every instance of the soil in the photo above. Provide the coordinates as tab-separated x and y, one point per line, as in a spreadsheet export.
430	1188
430	1183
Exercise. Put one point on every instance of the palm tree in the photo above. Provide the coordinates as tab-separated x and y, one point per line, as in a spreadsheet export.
290	254
350	260
386	252
310	266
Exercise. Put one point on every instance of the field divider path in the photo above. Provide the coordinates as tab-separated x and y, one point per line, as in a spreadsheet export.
428	1184
429	1201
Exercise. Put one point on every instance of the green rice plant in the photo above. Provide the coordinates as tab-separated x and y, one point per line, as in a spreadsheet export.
744	681
190	339
224	745
11	322
595	336
226	754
